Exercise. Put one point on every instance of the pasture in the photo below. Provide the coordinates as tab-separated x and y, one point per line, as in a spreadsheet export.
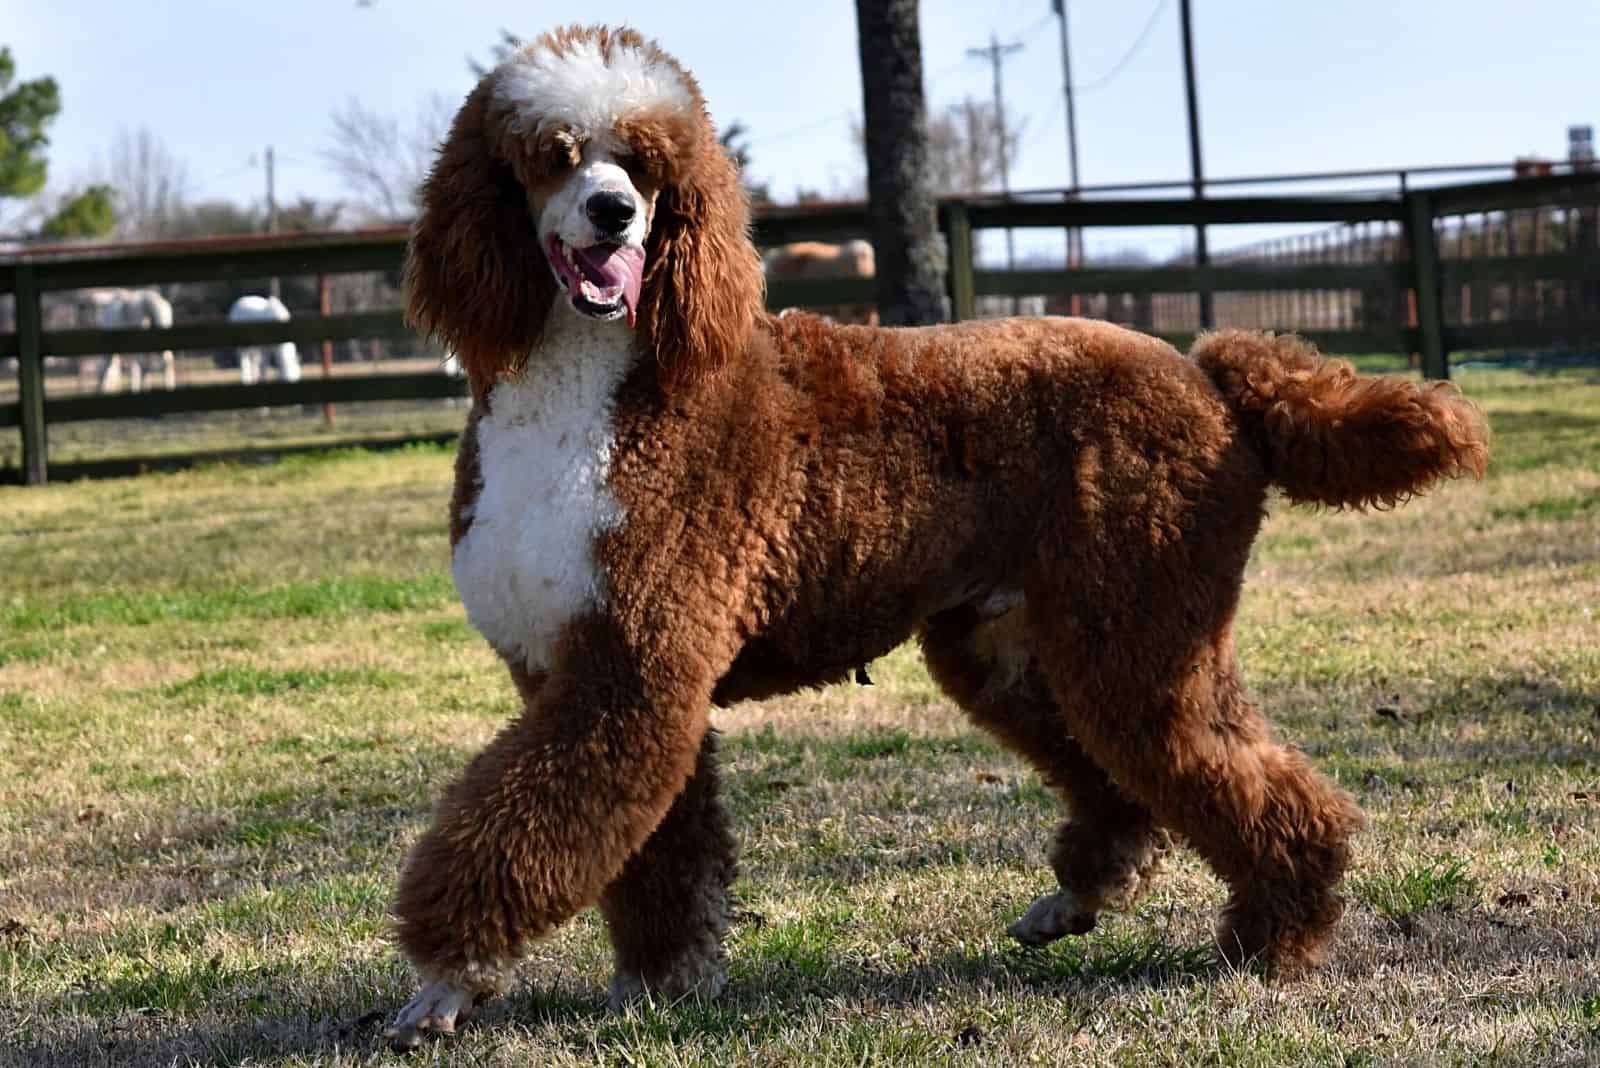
228	697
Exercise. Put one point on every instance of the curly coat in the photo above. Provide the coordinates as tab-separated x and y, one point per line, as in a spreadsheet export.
1059	510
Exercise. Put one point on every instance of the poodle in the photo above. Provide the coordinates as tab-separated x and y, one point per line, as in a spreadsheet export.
666	499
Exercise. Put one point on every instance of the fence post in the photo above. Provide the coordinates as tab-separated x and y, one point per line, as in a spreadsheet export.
1425	279
959	242
324	306
30	376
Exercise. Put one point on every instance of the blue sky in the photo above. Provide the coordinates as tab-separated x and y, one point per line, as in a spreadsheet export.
1284	85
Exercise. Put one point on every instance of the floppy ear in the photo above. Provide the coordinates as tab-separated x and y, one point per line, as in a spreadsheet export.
475	277
703	285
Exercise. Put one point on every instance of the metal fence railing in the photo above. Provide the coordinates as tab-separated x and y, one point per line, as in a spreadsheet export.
1423	271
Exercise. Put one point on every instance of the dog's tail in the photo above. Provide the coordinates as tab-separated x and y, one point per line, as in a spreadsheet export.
1330	436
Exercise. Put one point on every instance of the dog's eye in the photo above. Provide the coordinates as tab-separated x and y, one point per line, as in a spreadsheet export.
563	156
559	151
630	162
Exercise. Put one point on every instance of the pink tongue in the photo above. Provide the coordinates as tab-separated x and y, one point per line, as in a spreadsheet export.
616	265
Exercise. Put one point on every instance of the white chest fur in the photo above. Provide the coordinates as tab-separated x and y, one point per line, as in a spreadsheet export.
526	566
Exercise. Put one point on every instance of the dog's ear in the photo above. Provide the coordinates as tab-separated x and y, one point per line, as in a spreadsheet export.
475	277
703	285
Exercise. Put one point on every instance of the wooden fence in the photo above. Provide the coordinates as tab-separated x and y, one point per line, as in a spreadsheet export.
1400	284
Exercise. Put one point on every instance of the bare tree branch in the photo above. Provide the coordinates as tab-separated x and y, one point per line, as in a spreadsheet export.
149	183
964	147
381	161
364	150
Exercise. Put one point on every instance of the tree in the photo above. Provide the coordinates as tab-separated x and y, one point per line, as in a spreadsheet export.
381	161
910	281
149	183
499	52
87	214
963	147
963	142
735	141
213	218
26	111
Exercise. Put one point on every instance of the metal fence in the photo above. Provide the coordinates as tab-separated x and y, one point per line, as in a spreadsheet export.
1425	271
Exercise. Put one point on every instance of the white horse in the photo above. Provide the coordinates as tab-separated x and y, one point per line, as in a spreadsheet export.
254	309
123	309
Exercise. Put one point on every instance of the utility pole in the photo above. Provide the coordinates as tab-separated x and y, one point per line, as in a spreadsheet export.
272	214
1201	256
1074	235
996	54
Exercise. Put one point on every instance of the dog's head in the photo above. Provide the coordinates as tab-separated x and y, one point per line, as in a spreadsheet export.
584	171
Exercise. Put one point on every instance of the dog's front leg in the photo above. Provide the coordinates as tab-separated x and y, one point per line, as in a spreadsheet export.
544	819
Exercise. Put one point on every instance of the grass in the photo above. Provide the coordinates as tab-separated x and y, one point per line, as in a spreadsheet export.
228	696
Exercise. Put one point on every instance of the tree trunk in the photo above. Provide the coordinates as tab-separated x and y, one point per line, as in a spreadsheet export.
905	234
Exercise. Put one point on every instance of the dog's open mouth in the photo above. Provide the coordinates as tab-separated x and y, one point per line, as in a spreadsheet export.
603	280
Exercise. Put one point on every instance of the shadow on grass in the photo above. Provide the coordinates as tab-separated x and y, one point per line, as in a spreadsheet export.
328	1019
289	1016
287	1012
1493	725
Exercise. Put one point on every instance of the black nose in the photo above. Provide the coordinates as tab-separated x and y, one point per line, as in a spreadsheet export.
610	212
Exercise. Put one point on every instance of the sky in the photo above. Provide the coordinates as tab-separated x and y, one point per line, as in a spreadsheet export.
1284	85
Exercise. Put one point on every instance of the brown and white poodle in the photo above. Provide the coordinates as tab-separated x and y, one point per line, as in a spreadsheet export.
667	499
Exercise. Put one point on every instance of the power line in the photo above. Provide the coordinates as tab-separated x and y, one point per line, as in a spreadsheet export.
1127	57
829	120
816	124
1031	28
222	176
1042	120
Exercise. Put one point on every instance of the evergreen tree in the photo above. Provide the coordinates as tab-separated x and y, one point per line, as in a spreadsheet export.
26	111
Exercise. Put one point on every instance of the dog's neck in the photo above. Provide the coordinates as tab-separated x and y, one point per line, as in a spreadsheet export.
577	354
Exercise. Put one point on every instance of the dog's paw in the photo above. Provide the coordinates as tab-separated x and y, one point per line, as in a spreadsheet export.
1051	917
701	973
630	989
438	1008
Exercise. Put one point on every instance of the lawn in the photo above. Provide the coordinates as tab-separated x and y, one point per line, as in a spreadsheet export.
228	696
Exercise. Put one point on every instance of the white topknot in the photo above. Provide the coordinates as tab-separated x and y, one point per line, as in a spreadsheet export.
582	87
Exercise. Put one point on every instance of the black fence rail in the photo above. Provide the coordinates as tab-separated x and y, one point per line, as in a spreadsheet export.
1397	283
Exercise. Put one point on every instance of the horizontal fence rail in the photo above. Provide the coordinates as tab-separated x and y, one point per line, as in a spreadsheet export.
1184	279
211	335
233	397
1217	211
210	260
1393	278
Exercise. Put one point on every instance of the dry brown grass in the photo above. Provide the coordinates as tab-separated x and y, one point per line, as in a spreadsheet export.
227	696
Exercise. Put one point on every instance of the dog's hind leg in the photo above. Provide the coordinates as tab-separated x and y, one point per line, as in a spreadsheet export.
668	910
1153	695
1108	849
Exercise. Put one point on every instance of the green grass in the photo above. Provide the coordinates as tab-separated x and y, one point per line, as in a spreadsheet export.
228	698
295	601
1563	506
1442	884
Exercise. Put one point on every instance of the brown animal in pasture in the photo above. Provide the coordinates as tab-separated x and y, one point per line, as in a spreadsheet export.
804	261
